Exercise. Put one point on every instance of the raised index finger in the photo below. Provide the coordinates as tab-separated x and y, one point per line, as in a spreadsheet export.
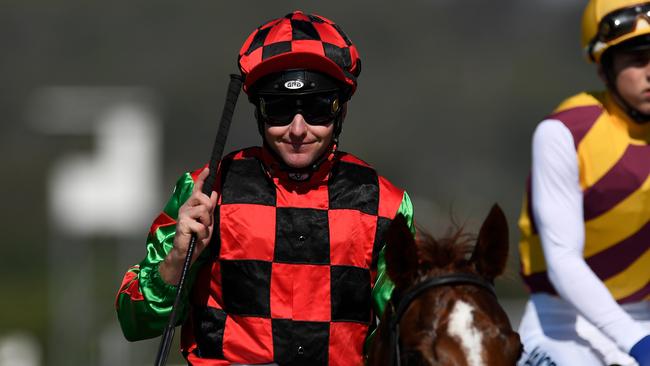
200	180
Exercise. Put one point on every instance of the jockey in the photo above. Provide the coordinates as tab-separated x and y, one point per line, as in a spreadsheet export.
585	223
289	265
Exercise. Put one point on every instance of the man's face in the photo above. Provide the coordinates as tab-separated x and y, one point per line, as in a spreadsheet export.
632	71
299	144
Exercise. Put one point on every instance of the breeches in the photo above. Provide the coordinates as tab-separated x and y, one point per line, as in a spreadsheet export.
554	334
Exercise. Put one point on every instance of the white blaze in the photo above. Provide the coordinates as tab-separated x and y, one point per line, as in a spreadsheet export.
461	326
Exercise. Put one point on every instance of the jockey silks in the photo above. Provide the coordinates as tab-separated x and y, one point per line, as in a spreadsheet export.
289	273
614	165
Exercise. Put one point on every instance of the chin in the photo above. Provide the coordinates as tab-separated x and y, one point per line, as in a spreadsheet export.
645	111
642	105
297	162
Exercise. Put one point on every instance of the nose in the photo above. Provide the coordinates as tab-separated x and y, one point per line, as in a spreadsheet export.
298	127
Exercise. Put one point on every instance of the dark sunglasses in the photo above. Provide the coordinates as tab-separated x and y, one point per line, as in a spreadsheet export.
317	109
621	22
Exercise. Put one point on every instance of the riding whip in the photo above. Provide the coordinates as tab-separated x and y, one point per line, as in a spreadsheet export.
217	150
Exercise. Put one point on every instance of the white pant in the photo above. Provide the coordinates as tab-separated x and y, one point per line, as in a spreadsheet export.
554	334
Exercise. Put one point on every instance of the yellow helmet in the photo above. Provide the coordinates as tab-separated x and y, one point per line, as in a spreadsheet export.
606	23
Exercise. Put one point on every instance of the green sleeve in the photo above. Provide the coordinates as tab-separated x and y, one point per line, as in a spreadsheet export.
383	287
144	301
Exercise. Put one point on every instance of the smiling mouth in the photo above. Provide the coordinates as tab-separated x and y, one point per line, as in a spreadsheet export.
296	145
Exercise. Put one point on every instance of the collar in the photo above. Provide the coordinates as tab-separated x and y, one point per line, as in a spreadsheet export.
636	131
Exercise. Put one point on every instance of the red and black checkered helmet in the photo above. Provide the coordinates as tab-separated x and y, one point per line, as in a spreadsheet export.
299	41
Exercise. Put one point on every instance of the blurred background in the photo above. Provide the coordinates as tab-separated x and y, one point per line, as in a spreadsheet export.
104	104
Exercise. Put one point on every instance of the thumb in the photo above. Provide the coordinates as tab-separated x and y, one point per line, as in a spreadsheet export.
214	198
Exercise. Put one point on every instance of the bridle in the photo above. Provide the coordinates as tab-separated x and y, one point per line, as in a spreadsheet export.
409	296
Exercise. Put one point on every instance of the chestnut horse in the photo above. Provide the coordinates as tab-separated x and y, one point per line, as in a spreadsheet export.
443	310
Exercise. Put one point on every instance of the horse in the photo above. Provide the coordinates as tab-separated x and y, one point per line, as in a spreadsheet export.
443	310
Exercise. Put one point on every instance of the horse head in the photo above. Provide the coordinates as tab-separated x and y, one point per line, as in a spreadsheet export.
443	310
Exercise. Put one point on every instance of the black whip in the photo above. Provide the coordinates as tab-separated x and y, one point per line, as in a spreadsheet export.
217	150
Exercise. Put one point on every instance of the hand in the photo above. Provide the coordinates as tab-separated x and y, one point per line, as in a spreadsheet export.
195	216
641	351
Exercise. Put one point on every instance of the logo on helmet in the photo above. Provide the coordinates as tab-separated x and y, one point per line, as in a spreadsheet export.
294	84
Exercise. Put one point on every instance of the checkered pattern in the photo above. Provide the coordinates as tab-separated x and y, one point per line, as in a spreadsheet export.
299	40
292	279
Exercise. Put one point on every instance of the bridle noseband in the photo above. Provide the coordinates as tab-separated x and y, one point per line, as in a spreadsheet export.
409	296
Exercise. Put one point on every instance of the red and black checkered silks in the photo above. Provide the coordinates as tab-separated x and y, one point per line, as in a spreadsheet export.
291	275
299	41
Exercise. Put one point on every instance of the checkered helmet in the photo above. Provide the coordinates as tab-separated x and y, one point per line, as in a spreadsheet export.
299	41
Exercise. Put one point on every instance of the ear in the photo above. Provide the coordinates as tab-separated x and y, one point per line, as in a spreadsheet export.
491	251
602	75
401	253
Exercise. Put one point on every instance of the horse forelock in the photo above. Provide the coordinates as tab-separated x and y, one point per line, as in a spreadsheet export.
450	252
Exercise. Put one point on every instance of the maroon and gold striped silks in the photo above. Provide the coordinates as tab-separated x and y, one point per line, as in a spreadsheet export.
614	166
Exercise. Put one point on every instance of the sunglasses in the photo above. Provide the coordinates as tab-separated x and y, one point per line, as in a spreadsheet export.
317	109
621	22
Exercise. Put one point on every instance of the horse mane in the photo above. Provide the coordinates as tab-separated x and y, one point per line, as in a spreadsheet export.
450	251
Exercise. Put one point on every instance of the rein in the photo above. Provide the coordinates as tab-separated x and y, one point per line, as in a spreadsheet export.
409	296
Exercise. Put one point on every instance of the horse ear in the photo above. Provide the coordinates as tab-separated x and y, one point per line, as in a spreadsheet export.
401	253
491	251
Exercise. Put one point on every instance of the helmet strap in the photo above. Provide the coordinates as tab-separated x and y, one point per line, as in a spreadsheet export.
338	123
260	123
